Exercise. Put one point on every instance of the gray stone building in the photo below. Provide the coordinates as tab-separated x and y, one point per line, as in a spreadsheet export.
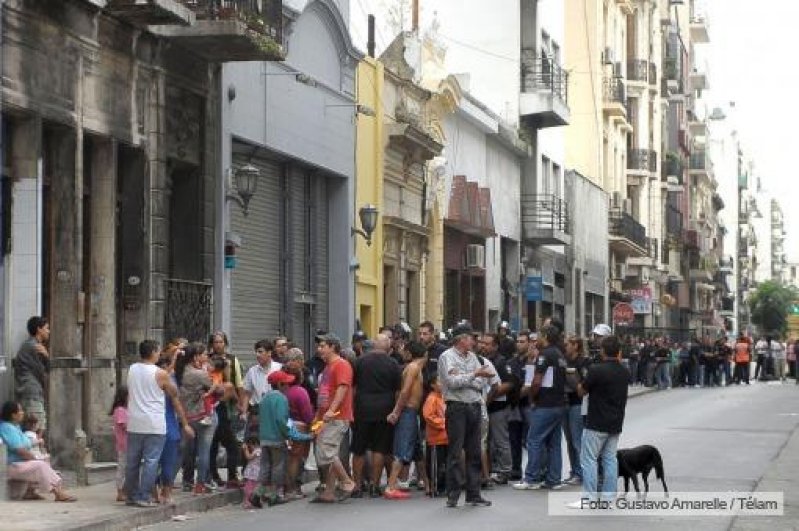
110	131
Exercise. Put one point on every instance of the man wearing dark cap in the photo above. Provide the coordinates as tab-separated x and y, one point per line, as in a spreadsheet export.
358	339
463	378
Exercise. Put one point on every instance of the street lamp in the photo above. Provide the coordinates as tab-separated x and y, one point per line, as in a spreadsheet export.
246	181
368	216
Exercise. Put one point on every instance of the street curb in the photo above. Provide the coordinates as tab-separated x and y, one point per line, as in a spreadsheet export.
138	517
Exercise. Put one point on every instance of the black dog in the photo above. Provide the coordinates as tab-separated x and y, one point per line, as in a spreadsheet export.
640	460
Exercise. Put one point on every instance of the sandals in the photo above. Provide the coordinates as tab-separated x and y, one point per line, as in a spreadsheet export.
66	498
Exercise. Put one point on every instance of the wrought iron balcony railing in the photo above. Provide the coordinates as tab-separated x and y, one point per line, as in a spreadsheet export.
264	17
545	212
625	226
642	159
545	74
613	90
699	161
637	70
674	219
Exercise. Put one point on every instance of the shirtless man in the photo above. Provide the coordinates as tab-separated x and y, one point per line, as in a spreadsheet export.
405	418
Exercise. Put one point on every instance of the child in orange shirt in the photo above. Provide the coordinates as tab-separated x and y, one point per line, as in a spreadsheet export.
433	412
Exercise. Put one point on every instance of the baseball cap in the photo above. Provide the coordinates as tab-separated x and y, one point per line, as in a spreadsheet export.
602	330
279	377
462	328
359	335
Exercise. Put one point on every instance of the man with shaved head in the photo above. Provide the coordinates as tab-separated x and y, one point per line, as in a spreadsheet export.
377	381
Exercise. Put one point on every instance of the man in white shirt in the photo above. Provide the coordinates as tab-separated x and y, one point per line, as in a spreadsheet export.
761	351
148	387
255	381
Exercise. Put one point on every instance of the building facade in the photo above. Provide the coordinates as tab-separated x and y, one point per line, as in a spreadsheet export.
295	122
109	127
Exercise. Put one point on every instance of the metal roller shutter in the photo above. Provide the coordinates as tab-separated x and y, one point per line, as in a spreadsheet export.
308	264
255	283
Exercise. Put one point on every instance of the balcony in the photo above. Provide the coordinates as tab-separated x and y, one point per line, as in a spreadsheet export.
614	98
642	160
699	30
544	91
699	164
699	80
701	268
673	75
638	71
231	30
627	236
674	222
653	76
697	127
142	13
545	220
718	202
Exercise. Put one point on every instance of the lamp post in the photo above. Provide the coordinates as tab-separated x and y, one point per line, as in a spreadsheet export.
246	181
368	217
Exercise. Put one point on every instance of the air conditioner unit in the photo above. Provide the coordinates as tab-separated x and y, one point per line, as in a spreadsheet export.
645	275
620	271
475	257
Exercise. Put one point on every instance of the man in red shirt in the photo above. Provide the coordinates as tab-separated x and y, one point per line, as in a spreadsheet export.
335	411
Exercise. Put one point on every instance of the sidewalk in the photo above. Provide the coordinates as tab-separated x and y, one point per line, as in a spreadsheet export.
96	509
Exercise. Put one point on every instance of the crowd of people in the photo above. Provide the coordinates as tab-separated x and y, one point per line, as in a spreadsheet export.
445	413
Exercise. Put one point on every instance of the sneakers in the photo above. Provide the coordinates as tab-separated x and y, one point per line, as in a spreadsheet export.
498	479
574	480
403	485
553	486
396	494
523	485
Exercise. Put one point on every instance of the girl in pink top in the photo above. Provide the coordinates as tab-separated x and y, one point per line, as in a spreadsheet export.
119	414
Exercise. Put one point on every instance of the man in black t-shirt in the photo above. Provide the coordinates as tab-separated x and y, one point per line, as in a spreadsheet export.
517	424
499	410
426	334
606	382
377	380
546	419
662	364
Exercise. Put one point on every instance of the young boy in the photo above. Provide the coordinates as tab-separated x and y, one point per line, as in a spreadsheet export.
434	413
275	431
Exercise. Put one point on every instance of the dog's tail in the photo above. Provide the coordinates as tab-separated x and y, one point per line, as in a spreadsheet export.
659	471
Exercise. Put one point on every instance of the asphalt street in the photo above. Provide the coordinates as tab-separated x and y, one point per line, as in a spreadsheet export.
722	439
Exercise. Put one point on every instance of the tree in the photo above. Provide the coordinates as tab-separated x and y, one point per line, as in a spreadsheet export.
770	306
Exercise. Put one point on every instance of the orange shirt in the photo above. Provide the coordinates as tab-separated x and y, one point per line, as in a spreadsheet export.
742	352
433	412
335	374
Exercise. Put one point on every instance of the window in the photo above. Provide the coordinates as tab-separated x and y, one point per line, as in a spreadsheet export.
555	53
556	178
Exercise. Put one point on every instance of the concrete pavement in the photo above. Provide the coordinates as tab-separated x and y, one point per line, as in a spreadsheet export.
740	438
96	509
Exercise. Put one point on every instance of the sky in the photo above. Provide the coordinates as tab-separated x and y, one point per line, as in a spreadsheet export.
750	60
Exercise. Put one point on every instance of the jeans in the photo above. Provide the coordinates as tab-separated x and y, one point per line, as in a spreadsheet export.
144	452
517	432
273	465
663	375
499	442
634	363
197	453
225	436
544	436
599	446
463	431
742	372
573	430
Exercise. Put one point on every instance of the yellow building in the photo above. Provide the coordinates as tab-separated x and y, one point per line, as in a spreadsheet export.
369	190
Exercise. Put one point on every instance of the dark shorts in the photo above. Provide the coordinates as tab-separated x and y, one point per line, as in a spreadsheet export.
372	435
406	435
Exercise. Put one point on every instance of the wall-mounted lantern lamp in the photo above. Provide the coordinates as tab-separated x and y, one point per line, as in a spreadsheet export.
246	181
368	216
